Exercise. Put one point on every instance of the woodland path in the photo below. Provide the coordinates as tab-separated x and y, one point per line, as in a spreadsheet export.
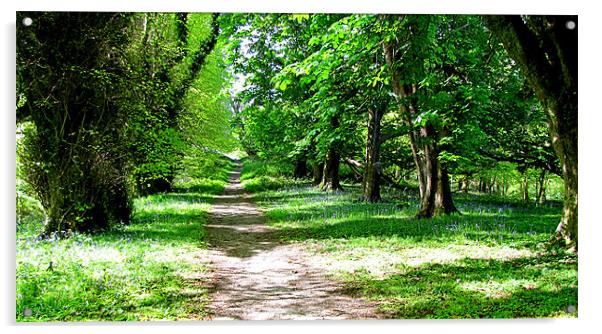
255	276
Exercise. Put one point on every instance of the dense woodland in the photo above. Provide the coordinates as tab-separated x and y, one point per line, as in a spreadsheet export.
114	108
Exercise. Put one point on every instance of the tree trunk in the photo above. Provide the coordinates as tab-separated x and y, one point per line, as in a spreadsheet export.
300	169
372	171
545	49
525	187
541	191
435	190
419	161
318	172
330	176
75	160
437	197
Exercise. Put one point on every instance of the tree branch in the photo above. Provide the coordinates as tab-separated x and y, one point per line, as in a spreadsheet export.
355	165
398	132
533	163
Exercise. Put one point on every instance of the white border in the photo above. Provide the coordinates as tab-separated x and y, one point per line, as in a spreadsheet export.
303	6
589	124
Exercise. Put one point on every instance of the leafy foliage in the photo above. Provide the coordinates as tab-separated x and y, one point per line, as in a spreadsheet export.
71	88
115	102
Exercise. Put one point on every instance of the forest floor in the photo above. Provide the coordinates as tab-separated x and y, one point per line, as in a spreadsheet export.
254	275
284	249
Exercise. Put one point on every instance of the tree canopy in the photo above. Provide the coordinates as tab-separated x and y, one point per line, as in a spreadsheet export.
113	105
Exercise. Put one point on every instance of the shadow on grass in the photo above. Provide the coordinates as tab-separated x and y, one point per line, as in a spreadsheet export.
189	197
529	287
167	227
200	188
289	193
324	216
528	229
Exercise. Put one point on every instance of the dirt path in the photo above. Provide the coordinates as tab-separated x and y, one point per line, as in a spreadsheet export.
254	276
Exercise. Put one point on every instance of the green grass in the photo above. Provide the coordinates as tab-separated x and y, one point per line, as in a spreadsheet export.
149	269
209	174
258	175
143	271
488	262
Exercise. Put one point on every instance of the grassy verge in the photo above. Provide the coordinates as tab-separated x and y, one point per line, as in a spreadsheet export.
149	269
488	262
258	175
143	271
207	175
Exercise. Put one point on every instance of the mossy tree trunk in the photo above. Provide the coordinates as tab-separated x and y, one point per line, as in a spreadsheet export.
74	158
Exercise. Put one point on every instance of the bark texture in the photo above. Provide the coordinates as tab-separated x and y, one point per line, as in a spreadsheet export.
330	176
436	198
318	172
541	188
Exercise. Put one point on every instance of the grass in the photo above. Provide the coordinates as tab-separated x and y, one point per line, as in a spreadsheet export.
259	175
489	262
150	269
209	174
142	271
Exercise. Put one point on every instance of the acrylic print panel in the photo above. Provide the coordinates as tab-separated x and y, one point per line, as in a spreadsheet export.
198	166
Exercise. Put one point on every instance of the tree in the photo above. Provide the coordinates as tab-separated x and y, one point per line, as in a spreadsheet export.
169	58
282	117
106	93
410	69
545	49
71	74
